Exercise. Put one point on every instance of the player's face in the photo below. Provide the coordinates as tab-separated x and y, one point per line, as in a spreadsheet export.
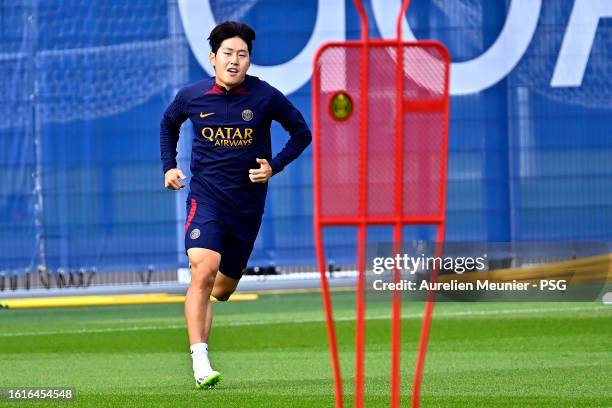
231	62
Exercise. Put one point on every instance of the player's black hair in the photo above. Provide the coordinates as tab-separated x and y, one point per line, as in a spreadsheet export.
230	29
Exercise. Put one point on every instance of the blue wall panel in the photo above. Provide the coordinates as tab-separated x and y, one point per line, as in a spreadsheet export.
529	160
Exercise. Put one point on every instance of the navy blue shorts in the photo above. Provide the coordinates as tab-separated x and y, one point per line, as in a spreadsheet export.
232	236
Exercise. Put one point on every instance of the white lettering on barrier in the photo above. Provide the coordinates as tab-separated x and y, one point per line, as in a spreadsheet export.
578	41
467	77
494	64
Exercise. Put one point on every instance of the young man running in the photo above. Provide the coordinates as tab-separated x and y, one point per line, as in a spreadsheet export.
231	162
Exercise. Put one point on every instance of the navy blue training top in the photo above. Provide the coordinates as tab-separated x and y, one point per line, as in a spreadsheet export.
231	129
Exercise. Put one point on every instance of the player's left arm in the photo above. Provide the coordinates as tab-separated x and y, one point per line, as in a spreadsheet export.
293	122
283	111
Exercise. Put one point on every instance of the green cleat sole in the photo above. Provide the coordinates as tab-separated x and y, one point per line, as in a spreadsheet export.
209	382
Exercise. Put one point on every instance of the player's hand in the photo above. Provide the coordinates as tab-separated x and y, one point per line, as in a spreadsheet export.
262	174
172	179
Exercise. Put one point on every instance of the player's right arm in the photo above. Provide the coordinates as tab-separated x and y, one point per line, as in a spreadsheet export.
172	179
169	130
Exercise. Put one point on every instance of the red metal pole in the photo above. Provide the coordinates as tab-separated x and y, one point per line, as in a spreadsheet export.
424	338
329	318
396	324
318	235
400	17
429	305
363	195
396	318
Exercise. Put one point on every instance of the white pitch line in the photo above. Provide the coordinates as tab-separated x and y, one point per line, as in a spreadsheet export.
437	315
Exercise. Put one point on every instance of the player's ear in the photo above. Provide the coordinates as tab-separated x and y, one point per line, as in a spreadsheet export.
211	58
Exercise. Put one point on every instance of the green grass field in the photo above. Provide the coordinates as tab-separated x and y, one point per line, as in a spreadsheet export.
273	353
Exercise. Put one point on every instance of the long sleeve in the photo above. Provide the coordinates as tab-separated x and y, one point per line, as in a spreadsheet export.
293	122
169	130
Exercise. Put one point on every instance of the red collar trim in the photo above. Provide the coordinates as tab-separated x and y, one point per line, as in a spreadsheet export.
219	90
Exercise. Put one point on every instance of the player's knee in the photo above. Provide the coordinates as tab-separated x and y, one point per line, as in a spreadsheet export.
222	295
203	275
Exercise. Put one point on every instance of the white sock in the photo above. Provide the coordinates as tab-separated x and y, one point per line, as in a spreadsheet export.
201	365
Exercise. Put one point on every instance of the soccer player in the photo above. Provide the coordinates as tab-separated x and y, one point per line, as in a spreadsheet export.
231	163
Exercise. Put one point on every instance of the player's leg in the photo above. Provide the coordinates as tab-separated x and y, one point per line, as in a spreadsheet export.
224	287
237	247
201	323
204	236
198	312
235	256
237	250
